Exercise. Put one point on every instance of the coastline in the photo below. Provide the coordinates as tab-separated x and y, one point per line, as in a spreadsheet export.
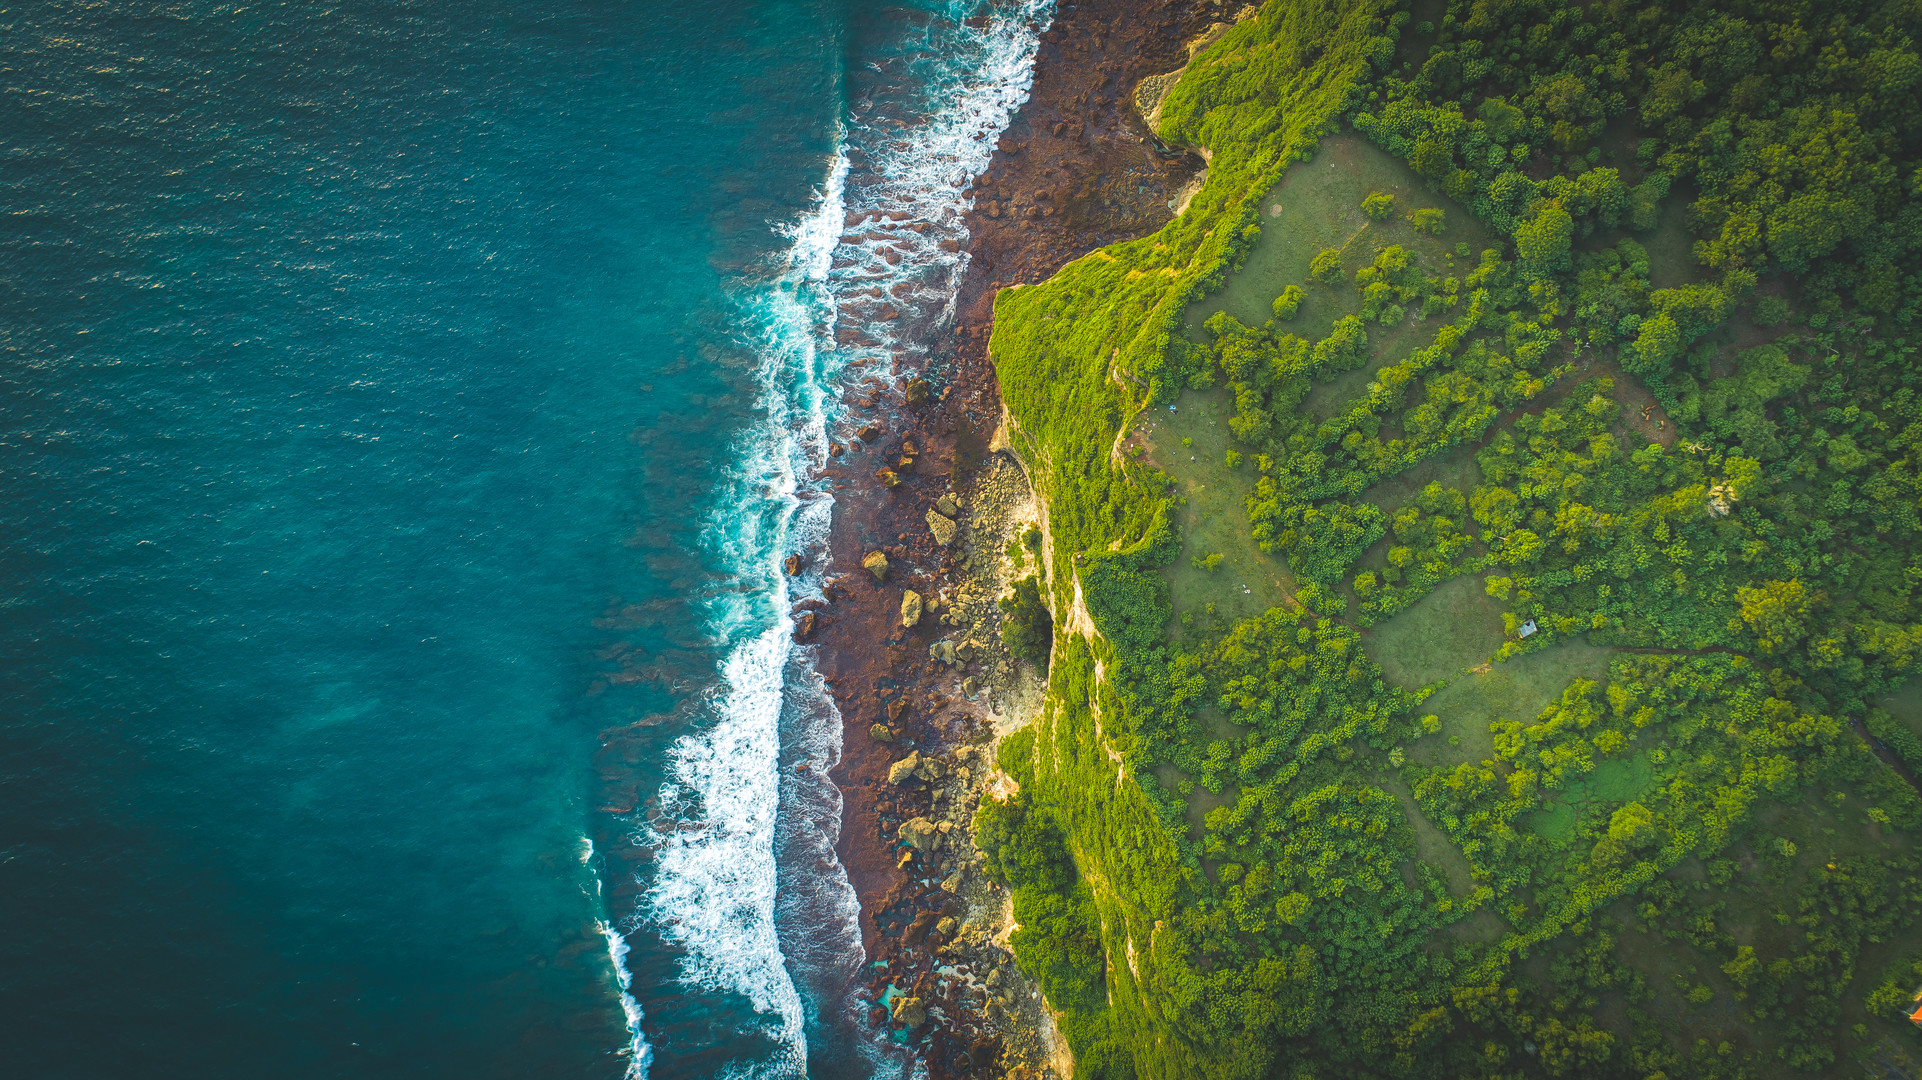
1075	170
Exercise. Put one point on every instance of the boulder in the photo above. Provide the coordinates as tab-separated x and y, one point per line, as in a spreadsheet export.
930	768
909	1012
918	392
805	626
941	527
888	478
793	565
910	607
920	834
970	686
943	651
904	770
947	506
881	733
869	433
876	563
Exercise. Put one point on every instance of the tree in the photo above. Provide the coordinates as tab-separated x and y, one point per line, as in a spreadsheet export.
1378	205
1776	613
1288	303
1027	628
1543	241
1325	267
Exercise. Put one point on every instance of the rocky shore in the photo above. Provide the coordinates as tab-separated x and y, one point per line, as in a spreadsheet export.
929	511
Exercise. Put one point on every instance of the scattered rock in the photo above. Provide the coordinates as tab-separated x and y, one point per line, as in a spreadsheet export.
793	565
947	506
942	528
876	563
910	607
904	770
881	733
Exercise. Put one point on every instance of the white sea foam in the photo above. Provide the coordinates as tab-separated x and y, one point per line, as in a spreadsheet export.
713	892
899	265
728	806
639	1054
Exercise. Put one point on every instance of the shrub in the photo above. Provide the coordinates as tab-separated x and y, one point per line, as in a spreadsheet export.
1378	205
1325	267
1288	303
1028	629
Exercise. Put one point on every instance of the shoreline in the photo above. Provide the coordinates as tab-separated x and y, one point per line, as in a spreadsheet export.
1075	170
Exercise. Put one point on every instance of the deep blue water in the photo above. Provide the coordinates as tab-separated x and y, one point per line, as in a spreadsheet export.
395	397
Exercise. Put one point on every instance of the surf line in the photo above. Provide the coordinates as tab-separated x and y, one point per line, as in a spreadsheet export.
728	803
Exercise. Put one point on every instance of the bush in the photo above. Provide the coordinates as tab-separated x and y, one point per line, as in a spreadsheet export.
1428	219
1028	629
1378	205
1325	267
1288	303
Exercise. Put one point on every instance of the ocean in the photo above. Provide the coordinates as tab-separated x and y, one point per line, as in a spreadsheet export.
406	410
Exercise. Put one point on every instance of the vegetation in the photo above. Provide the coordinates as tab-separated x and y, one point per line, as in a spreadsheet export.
1026	627
1680	859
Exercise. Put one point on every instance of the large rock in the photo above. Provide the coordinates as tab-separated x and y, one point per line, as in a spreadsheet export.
909	1012
941	527
920	834
904	770
881	733
946	505
910	607
877	564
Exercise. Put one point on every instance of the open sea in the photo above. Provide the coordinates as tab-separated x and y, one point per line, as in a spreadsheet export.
405	409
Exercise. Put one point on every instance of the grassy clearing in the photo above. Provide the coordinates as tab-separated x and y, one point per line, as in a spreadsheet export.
1318	207
1190	444
1905	704
1315	206
1453	628
1517	689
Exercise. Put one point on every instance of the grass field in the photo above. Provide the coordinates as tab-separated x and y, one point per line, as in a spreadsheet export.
1316	206
1517	689
1452	629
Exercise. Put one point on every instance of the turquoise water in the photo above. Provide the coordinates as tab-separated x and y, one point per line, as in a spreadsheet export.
398	397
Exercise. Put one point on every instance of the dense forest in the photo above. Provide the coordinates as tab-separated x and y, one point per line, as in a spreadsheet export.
1675	363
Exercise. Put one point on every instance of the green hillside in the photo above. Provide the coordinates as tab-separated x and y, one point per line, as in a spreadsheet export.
1494	501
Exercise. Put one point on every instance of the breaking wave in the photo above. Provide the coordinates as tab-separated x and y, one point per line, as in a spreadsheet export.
745	883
